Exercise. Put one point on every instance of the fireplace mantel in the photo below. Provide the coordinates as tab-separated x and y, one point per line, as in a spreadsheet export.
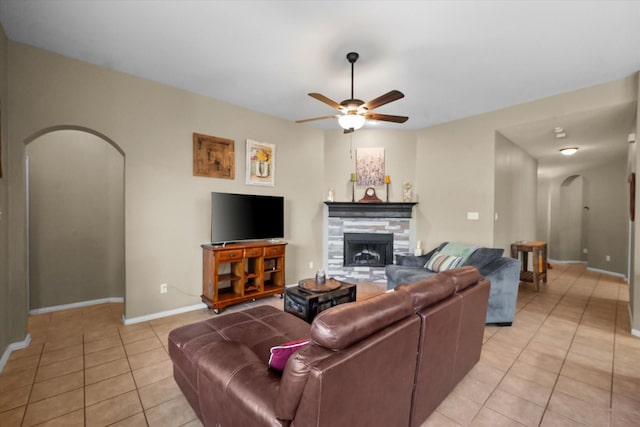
370	210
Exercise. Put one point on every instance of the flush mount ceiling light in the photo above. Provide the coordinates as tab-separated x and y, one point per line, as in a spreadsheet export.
568	151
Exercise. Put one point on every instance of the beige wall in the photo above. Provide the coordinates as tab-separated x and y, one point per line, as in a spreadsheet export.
515	194
634	293
340	161
605	228
455	162
12	306
455	175
166	207
76	219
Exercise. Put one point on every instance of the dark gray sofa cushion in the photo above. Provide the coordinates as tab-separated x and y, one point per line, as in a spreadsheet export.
483	256
417	261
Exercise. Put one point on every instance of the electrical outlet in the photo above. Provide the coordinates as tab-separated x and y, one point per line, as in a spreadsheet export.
473	216
585	251
607	258
163	288
310	265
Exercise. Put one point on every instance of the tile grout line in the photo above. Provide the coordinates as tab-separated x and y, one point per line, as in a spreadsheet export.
144	412
613	358
546	408
564	295
33	382
535	296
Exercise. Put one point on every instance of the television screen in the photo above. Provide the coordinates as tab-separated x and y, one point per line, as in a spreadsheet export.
246	217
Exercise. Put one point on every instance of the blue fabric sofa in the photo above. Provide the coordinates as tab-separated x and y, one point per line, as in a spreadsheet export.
502	272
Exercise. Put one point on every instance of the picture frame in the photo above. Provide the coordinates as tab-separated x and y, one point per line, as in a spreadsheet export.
213	157
369	166
260	163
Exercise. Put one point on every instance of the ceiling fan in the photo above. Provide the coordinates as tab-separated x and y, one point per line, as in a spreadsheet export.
355	111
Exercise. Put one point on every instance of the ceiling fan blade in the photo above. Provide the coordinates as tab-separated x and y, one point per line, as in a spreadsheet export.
387	118
330	102
335	116
388	97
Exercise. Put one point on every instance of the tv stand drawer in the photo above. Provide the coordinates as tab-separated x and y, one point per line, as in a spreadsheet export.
235	254
274	250
253	252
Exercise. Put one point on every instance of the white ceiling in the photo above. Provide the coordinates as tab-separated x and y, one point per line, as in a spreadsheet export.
452	59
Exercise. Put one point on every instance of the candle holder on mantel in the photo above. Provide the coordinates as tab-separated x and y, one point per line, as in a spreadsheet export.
353	188
387	181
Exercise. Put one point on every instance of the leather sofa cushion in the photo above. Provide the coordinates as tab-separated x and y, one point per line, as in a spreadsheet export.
429	291
258	328
345	324
463	277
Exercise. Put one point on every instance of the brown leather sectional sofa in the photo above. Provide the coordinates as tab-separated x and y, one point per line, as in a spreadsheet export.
385	361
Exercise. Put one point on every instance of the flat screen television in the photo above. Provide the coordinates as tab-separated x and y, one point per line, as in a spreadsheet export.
236	217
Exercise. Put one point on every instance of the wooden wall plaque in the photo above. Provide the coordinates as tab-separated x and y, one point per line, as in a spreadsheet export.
213	157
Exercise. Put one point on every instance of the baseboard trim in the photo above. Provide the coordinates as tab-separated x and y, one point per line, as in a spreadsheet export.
609	273
557	261
595	270
75	305
635	332
161	314
13	347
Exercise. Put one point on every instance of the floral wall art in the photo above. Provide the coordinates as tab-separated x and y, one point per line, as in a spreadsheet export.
370	166
261	163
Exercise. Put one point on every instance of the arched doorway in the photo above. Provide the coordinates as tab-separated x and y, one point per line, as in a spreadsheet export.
75	196
571	221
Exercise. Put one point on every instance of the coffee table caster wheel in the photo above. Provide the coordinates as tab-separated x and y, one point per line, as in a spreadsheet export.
217	311
280	296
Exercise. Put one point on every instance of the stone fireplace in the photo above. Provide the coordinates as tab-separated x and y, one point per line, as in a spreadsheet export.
361	238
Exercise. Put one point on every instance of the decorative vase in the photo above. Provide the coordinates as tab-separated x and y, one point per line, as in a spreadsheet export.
263	169
406	195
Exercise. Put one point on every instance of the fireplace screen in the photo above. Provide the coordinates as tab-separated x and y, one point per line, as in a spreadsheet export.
368	249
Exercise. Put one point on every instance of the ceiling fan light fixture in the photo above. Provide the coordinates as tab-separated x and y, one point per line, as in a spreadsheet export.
351	121
568	151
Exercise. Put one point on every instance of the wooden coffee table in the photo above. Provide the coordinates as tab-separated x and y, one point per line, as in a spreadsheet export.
306	303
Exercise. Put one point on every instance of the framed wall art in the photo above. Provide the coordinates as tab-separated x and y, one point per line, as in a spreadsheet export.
369	166
213	157
261	163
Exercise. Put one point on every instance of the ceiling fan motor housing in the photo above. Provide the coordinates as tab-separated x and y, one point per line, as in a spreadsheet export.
351	105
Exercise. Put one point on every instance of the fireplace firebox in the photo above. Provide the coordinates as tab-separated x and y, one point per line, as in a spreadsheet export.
368	249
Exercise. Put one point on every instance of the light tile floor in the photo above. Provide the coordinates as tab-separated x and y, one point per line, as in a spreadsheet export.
568	360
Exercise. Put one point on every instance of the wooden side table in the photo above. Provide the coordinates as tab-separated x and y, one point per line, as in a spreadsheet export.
539	259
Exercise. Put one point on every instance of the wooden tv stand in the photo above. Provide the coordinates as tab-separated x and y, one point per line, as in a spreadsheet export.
240	272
